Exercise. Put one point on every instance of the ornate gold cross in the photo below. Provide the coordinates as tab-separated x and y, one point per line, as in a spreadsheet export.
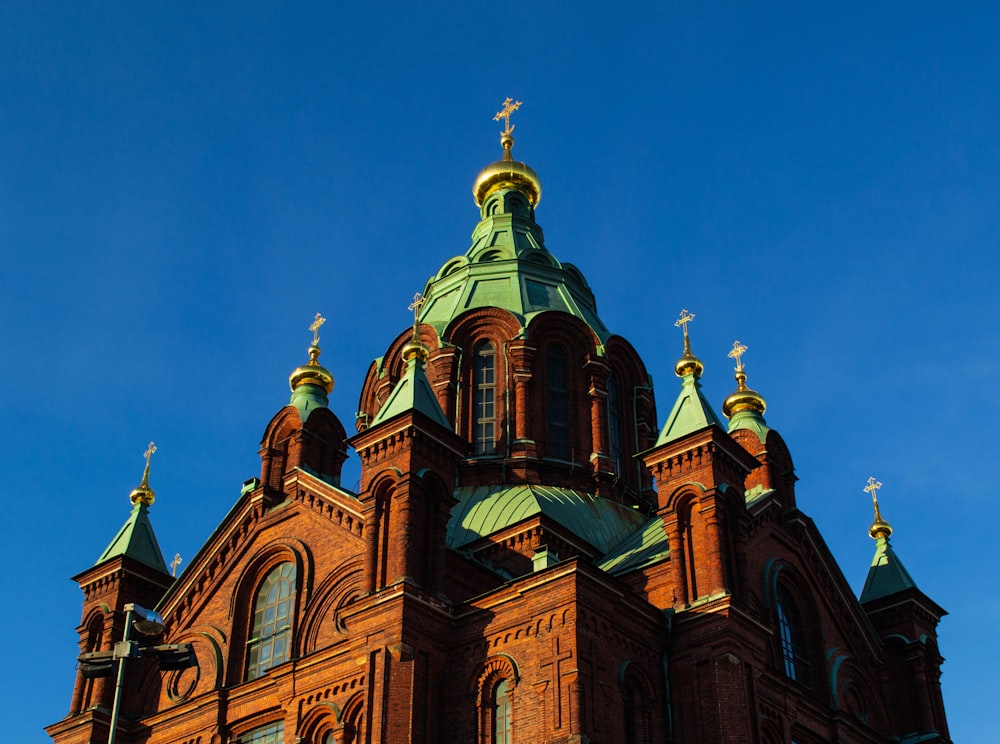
872	488
320	320
683	320
418	302
504	113
737	353
149	453
175	563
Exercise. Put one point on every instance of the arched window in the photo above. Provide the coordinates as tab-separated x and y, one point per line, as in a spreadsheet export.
273	733
484	411
557	400
793	638
270	641
616	436
500	700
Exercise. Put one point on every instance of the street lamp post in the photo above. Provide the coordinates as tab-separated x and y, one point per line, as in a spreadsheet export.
168	656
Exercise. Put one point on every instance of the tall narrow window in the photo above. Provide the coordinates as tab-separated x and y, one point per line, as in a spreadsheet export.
793	638
271	734
615	423
557	399
484	400
501	713
271	634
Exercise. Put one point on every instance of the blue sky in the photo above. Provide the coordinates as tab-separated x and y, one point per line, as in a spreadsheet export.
183	187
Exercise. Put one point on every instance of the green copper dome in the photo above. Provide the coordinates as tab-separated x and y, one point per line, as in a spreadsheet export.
509	267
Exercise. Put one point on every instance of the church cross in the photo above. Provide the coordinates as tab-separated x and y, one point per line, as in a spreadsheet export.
683	320
872	488
149	453
509	108
737	353
175	563
316	324
418	302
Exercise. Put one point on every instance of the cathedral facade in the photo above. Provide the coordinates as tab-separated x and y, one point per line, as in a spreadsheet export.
532	554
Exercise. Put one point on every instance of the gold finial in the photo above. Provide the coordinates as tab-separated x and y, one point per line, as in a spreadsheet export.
414	347
143	492
879	528
743	399
737	353
175	563
688	363
506	173
509	108
312	371
315	326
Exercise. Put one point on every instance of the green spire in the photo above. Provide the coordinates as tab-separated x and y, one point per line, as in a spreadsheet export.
691	412
413	391
887	574
136	538
137	541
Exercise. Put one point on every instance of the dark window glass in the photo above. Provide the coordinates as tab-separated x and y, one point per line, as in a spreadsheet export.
793	640
273	733
615	424
271	634
501	713
556	374
484	400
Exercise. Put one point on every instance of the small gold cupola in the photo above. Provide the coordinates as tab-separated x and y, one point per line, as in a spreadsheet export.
143	492
688	363
880	528
312	372
743	398
507	173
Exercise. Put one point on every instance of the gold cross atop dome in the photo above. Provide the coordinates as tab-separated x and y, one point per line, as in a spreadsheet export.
315	326
688	363
414	348
175	563
879	528
683	320
509	107
737	353
143	492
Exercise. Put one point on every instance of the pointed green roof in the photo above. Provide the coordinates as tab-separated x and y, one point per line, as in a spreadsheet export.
690	413
887	574
136	540
412	393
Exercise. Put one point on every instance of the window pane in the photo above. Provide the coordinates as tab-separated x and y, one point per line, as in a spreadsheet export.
271	734
270	636
557	400
484	400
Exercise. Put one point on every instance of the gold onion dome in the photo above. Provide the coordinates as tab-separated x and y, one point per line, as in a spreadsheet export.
688	363
143	492
415	349
311	373
507	173
743	398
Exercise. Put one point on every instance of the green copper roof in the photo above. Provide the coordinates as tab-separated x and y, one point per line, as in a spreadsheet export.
690	413
412	393
641	548
307	397
508	267
483	510
751	421
887	574
137	541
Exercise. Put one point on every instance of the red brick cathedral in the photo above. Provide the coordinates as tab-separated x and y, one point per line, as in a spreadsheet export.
533	556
